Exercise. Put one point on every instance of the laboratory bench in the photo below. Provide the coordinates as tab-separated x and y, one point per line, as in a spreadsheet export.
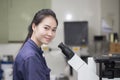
109	66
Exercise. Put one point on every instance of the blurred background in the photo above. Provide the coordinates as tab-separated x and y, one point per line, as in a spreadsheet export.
100	21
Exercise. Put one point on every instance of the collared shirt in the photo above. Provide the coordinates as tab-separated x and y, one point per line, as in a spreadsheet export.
30	63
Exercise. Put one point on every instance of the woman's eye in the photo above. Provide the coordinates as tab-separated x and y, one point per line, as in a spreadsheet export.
46	28
54	30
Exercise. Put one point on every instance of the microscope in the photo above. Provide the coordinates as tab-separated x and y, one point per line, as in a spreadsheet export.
82	68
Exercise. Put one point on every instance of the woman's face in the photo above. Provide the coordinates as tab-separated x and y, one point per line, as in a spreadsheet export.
44	32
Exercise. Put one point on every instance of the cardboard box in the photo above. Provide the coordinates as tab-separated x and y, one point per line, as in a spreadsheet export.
114	48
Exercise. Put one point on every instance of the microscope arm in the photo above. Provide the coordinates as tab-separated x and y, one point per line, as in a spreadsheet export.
84	72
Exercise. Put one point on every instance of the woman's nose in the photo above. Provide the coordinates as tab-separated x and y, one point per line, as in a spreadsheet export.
50	33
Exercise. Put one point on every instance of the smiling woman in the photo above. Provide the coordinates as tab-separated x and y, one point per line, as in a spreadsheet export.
30	63
44	32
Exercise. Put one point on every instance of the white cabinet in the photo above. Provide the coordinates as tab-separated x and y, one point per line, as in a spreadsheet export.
3	21
16	16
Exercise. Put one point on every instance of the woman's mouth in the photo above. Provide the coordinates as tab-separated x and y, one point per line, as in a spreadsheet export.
48	39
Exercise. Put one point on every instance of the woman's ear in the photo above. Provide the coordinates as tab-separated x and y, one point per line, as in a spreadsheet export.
33	26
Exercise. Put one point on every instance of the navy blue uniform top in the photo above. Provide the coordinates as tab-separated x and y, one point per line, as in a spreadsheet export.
30	63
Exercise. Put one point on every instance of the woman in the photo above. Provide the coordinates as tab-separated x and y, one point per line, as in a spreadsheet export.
30	63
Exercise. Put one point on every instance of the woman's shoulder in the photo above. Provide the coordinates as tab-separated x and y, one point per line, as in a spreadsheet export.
25	53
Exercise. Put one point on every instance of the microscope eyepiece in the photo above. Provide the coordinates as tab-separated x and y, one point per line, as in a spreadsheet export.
66	50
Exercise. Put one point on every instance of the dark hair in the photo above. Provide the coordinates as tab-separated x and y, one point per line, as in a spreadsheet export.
39	16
